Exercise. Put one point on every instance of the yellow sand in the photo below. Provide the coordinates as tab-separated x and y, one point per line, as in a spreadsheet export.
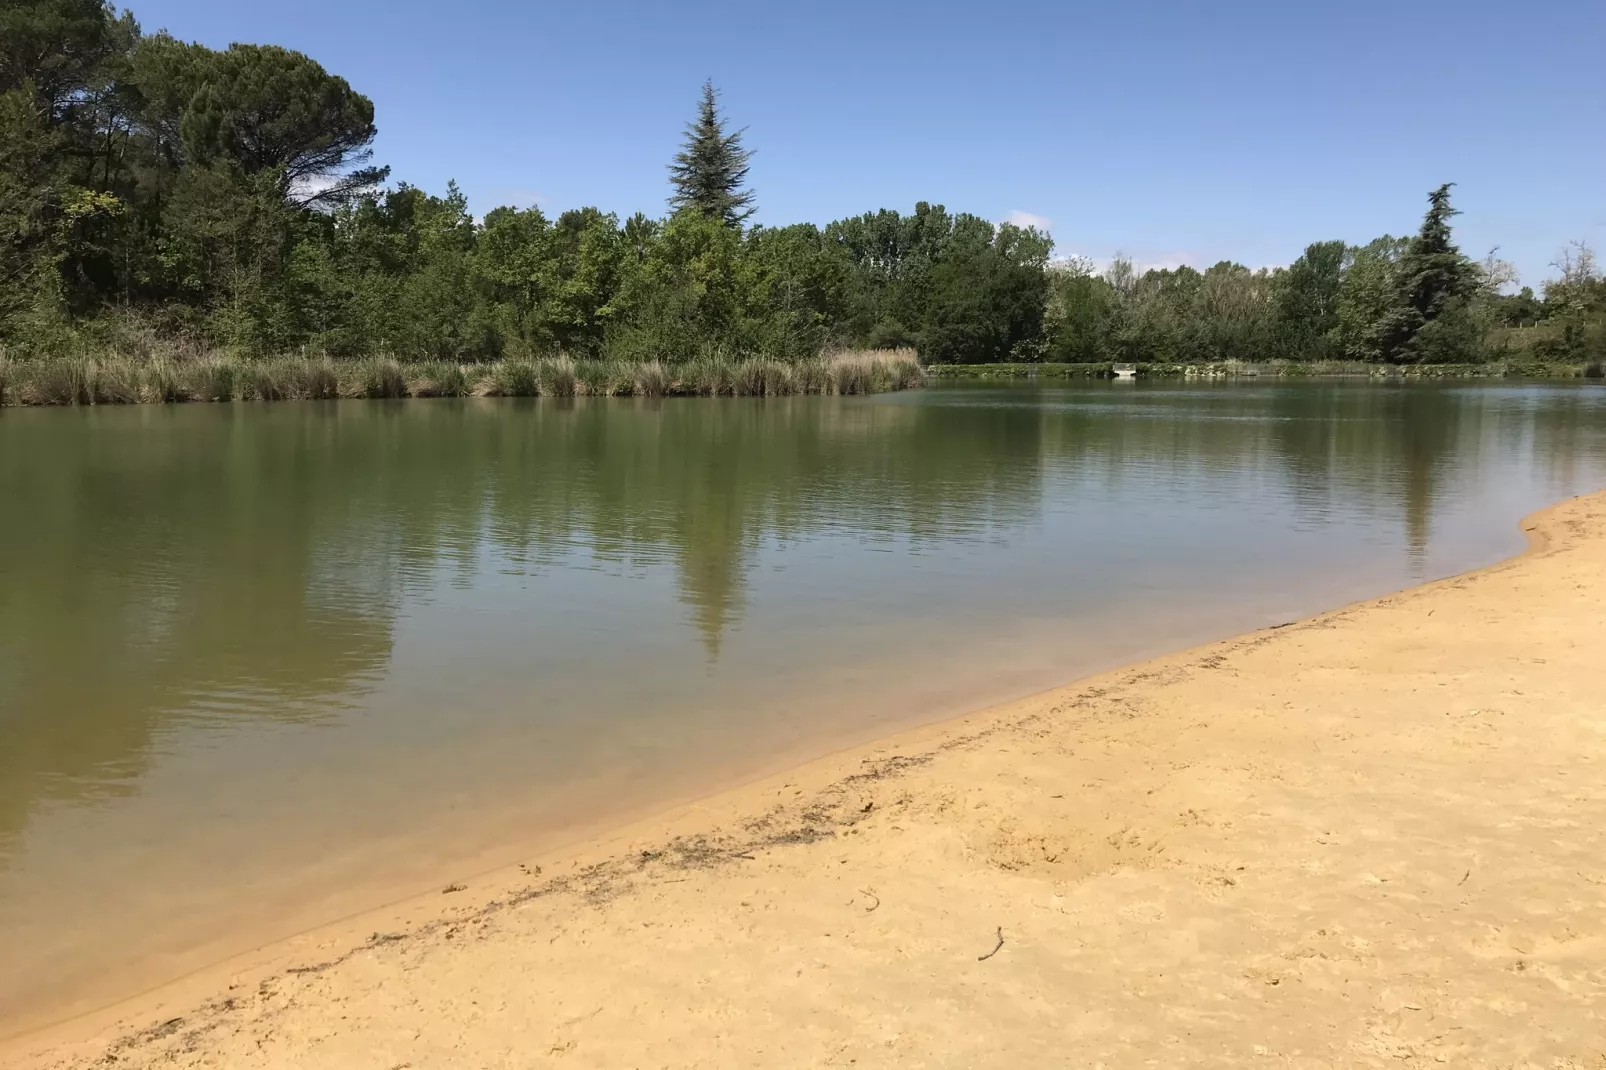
1377	838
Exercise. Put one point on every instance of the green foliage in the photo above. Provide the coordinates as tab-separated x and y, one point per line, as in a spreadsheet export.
954	286
1308	298
709	171
1368	302
160	189
1432	280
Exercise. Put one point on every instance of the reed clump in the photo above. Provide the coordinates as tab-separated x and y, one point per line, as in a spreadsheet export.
439	379
213	379
162	383
171	376
513	378
376	377
556	377
320	380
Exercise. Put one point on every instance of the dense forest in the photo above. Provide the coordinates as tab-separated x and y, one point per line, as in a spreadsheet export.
154	191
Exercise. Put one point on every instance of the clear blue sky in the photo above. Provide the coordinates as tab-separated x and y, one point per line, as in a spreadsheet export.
1175	132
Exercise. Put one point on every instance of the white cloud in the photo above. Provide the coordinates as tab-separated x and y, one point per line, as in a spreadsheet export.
1030	219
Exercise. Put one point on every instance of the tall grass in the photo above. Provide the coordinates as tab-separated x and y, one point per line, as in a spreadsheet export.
376	377
873	371
213	379
557	377
164	383
170	376
320	380
513	378
439	379
651	379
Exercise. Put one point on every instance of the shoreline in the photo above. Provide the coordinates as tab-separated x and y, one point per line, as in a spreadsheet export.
117	380
1279	369
715	842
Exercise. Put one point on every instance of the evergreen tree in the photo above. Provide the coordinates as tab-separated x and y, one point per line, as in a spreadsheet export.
1433	279
711	167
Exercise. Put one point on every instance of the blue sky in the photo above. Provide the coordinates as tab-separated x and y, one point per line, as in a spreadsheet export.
1175	132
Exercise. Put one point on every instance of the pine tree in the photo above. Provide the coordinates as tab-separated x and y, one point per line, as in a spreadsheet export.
711	166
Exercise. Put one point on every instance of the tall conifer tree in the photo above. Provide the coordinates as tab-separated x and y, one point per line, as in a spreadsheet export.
711	168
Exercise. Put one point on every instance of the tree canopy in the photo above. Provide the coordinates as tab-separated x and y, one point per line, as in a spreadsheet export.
156	188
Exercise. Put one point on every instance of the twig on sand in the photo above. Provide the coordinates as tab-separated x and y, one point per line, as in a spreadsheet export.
996	947
1464	877
872	895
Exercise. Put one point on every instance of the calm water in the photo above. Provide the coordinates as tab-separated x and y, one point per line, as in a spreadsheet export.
261	666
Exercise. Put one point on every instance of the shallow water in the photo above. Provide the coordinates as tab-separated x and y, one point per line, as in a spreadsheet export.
262	666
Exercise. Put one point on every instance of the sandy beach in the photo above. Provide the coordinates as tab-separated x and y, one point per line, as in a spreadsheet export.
1372	838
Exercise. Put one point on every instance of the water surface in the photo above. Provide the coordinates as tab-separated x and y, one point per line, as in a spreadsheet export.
264	665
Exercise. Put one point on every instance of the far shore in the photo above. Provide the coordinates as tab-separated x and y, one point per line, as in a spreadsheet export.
1376	837
1514	368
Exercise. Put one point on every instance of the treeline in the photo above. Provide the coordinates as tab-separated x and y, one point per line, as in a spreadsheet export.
153	190
1394	300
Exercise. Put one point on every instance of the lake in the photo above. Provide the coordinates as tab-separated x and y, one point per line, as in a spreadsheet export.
262	666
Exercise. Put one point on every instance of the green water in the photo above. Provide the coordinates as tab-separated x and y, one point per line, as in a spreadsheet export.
261	666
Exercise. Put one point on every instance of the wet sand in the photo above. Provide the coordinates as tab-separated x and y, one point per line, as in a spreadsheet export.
1375	836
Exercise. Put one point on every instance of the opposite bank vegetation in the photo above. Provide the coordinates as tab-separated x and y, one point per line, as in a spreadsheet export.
121	381
160	196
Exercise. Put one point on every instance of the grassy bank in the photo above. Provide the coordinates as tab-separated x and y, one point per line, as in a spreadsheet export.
1503	369
123	380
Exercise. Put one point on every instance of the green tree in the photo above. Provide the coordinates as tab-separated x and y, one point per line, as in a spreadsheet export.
1308	299
711	168
1434	281
1369	299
